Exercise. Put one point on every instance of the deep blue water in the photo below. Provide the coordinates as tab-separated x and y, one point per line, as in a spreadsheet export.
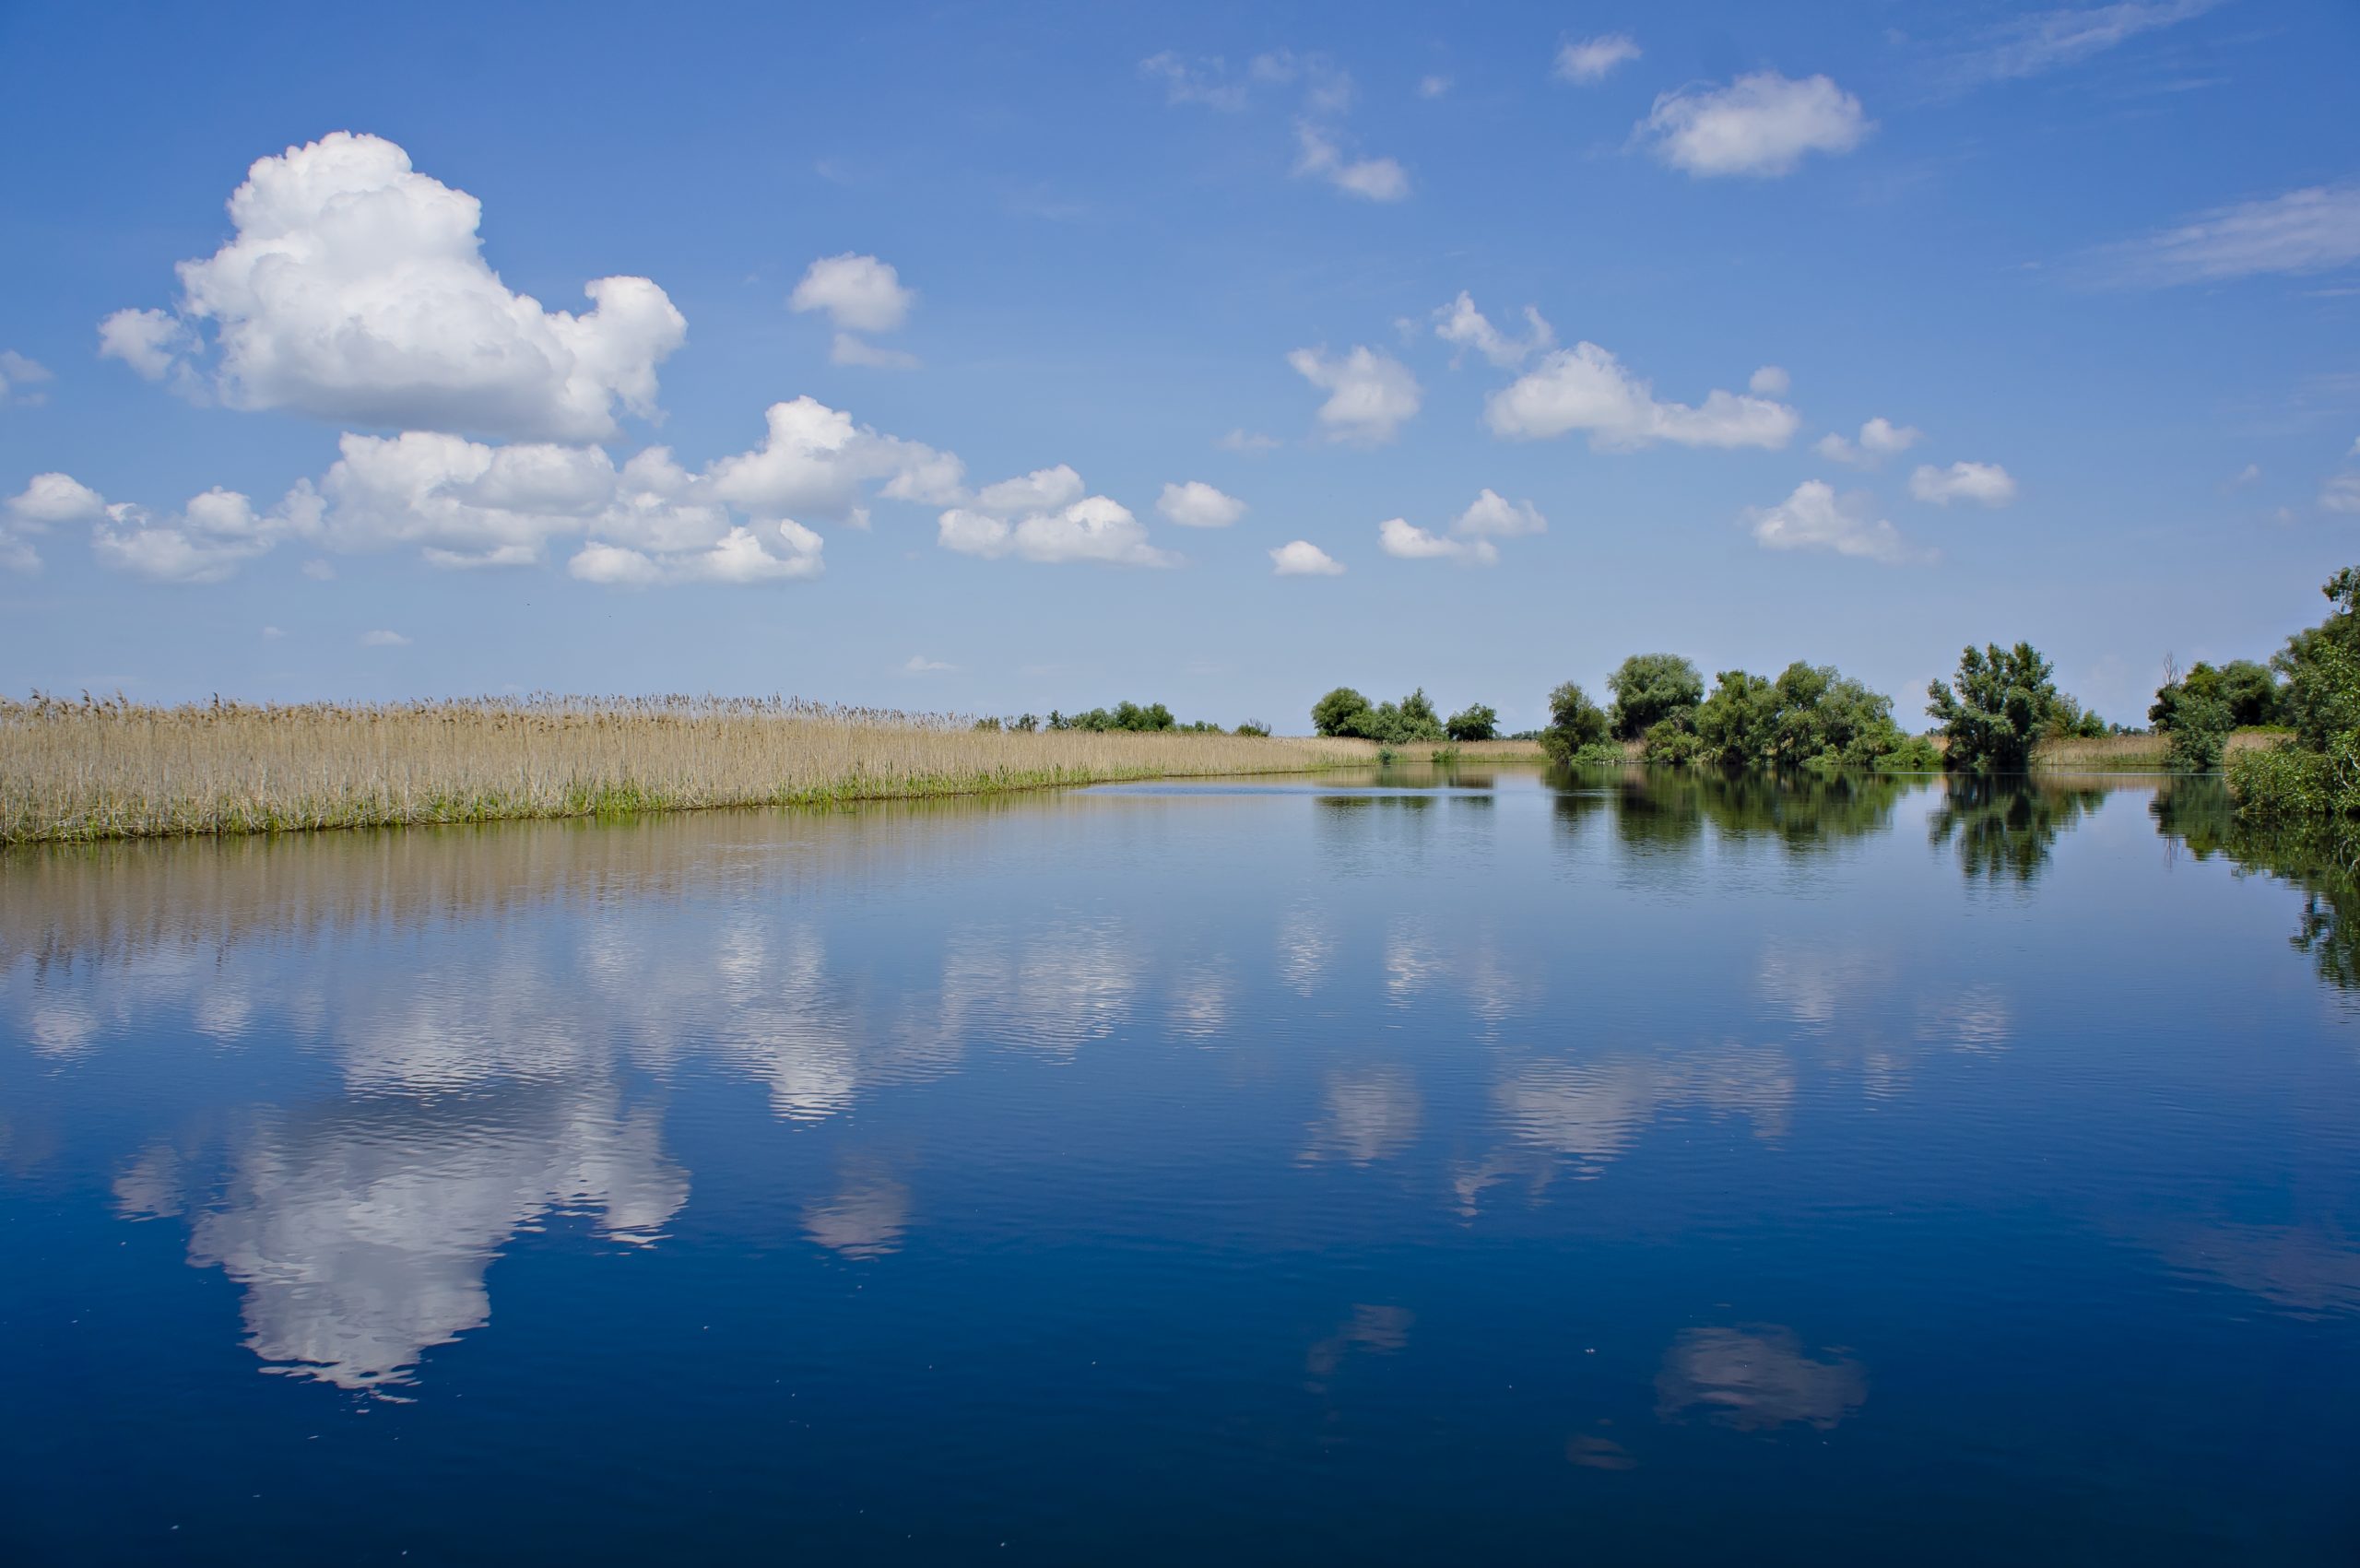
1632	1171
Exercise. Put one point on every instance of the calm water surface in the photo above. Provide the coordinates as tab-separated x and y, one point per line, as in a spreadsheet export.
1390	1170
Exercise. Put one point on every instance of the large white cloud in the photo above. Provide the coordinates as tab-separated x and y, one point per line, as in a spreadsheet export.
1196	504
1762	125
1370	396
1043	517
355	289
1816	518
461	502
1461	326
1984	482
1403	540
1586	388
815	461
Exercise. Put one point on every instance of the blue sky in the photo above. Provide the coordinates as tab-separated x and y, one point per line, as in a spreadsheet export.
2096	270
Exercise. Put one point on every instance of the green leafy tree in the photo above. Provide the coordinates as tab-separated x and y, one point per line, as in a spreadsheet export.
2250	692
1577	724
2317	774
1342	711
1474	721
1649	689
1253	727
1995	708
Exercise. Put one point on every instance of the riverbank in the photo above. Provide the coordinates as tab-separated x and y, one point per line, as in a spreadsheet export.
74	773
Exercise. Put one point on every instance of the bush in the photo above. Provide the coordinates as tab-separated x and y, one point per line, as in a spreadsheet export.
2199	728
1575	723
1345	712
1475	722
1253	727
1672	741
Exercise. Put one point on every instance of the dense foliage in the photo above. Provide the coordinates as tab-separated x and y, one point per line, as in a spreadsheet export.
2246	694
1345	712
1477	721
1809	717
1126	716
2315	773
2000	703
1650	689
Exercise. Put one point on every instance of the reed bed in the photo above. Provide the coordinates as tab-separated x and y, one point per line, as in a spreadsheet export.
112	768
2133	753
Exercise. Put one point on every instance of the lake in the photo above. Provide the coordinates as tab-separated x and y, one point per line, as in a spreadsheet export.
1383	1168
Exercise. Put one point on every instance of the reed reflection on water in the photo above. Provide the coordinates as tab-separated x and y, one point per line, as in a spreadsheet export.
1757	1082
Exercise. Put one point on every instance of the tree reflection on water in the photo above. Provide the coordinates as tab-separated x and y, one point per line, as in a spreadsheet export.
2321	858
2006	828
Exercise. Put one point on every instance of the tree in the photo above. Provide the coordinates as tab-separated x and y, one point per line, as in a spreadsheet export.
1474	721
2250	692
1995	708
1341	712
1650	687
1575	723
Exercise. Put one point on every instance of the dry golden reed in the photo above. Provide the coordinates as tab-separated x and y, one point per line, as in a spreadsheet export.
2131	753
108	768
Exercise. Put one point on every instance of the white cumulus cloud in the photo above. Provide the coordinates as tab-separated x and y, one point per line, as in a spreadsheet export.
1492	516
1370	396
1586	388
1590	59
1770	381
1372	179
355	289
1403	540
815	461
208	539
1461	326
1816	518
50	500
1880	437
1196	504
1044	518
1984	482
1763	124
858	293
739	556
1300	557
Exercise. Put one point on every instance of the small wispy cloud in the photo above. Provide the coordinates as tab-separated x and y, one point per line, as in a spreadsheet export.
2311	231
920	665
1242	440
1592	59
2049	41
383	638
